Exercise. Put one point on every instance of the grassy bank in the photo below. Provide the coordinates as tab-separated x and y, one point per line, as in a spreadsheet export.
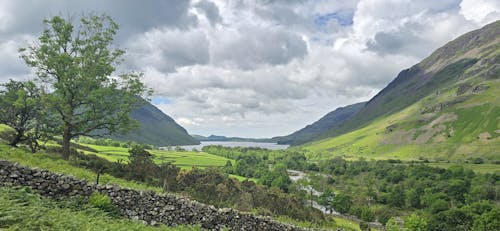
20	209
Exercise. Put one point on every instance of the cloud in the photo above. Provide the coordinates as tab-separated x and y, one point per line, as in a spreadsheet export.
13	66
210	10
167	49
480	11
248	47
258	68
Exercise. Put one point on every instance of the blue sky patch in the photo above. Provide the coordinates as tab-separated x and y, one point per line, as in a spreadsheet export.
160	100
344	18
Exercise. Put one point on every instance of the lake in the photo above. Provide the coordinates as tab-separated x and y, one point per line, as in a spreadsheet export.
272	146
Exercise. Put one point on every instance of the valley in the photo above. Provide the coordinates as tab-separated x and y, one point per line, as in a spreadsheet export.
86	147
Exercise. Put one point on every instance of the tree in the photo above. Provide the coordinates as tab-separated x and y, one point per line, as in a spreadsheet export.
20	108
141	165
415	223
488	221
342	203
393	225
326	199
168	173
397	196
75	65
413	198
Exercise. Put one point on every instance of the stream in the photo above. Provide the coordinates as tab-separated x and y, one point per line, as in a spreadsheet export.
299	175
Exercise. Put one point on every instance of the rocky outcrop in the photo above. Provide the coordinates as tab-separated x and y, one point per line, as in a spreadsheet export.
146	206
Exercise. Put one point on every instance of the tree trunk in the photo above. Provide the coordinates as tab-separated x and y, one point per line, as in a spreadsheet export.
66	143
17	138
165	184
98	175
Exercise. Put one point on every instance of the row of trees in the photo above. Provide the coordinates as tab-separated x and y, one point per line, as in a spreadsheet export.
75	91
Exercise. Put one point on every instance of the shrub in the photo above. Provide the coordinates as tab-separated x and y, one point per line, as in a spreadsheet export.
104	203
364	226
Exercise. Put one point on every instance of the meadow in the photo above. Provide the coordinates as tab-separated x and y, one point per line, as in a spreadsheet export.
478	168
182	159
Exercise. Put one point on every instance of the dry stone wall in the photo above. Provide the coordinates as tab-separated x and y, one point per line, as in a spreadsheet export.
146	206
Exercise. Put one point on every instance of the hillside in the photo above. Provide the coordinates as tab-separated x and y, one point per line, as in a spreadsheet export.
327	122
447	105
157	128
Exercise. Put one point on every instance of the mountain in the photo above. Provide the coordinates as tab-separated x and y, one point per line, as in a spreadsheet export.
157	128
327	122
233	139
446	106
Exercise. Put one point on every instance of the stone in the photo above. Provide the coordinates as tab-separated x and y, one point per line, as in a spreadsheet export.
144	206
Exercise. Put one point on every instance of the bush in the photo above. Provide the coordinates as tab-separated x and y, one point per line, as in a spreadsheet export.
364	226
104	203
367	214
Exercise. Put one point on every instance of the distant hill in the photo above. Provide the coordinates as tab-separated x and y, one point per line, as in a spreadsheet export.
157	128
234	139
327	122
447	106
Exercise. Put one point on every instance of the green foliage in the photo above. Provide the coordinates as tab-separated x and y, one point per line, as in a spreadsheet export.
104	203
367	214
488	220
326	199
452	219
415	223
277	177
342	203
168	173
393	225
77	63
212	186
54	163
364	226
20	109
397	196
441	196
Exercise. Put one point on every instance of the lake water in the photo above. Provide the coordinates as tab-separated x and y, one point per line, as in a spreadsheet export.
272	146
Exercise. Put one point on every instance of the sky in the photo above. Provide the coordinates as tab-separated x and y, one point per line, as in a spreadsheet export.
256	68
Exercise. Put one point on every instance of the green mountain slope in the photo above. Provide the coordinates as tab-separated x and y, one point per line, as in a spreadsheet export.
447	106
327	122
157	128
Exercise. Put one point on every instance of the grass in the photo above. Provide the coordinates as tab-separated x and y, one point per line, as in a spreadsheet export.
184	159
333	224
20	209
478	168
56	164
452	140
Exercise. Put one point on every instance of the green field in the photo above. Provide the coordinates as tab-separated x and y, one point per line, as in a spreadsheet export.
478	168
183	159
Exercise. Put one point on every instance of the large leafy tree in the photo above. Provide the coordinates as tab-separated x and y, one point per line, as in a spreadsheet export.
76	64
20	108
